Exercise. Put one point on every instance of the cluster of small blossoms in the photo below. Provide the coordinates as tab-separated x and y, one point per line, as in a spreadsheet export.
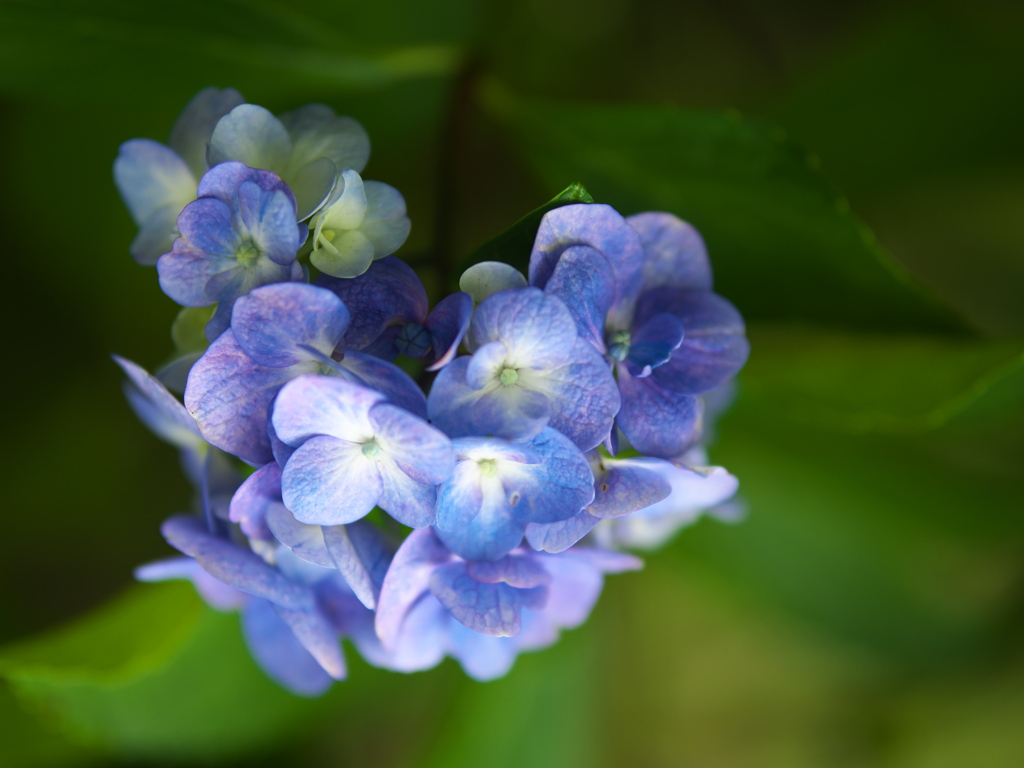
557	418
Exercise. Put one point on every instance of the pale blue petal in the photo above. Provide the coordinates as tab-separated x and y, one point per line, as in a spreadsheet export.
409	502
536	328
514	412
150	176
158	409
305	541
278	652
625	486
475	518
674	252
557	537
557	488
185	272
328	481
406	581
482	657
486	364
233	565
259	493
190	136
312	629
420	450
362	553
156	234
656	420
271	322
423	640
324	405
516	570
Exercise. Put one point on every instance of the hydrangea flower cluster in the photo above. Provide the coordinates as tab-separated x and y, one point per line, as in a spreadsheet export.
556	418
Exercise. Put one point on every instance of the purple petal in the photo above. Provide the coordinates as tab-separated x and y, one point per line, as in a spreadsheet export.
582	396
585	281
483	657
206	225
600	227
185	271
278	652
390	380
406	580
515	570
388	293
305	541
215	594
656	420
625	486
409	502
328	481
323	405
558	537
653	343
536	328
489	608
362	554
674	253
233	565
447	325
715	346
228	394
316	635
158	409
271	322
421	451
249	506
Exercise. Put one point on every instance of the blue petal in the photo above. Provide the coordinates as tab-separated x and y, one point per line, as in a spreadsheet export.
624	486
158	409
421	451
656	420
489	608
150	176
557	488
585	281
249	505
233	565
520	571
328	481
486	364
582	395
514	412
312	629
475	518
324	405
600	227
715	346
409	502
388	293
185	271
674	252
228	394
653	343
406	580
224	180
536	328
362	554
271	322
207	225
279	654
447	324
304	540
482	657
558	537
191	133
215	594
388	379
576	582
269	219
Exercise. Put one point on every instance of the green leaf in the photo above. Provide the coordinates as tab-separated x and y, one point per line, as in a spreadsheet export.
872	383
188	332
156	675
513	246
783	243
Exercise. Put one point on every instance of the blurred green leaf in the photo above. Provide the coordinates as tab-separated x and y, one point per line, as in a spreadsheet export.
872	383
155	675
513	246
783	243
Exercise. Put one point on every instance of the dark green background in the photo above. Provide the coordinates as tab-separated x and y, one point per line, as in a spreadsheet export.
857	172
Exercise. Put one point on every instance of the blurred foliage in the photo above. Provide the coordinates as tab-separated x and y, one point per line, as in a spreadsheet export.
868	612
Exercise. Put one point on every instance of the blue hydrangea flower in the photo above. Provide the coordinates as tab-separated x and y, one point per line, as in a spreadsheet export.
497	488
239	234
361	221
530	369
622	487
389	314
434	603
640	293
695	489
158	181
279	332
354	451
308	148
